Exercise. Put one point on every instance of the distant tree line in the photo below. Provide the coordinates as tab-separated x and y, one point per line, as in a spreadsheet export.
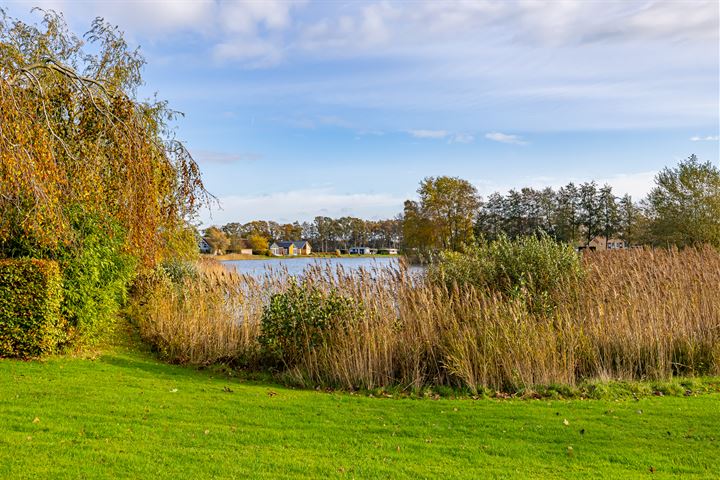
572	214
682	209
325	234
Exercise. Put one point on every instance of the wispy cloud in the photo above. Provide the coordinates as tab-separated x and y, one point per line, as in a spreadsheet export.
210	156
462	138
428	133
636	184
709	138
505	138
537	65
304	205
451	137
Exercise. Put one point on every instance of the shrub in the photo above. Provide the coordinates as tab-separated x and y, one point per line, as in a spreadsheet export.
179	270
30	297
96	274
95	268
534	268
301	319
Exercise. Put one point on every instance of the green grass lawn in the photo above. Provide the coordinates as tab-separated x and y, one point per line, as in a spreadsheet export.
126	415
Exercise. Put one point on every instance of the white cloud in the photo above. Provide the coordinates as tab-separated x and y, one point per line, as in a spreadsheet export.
536	65
246	17
304	205
423	24
155	18
709	138
428	133
505	138
451	137
243	31
226	158
637	184
252	52
462	138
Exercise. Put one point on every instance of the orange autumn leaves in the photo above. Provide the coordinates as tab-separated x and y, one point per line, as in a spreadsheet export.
73	136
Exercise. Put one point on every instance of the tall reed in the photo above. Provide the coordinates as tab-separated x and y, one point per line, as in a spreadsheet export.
637	314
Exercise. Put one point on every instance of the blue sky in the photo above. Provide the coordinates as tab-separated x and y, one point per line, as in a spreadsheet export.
295	109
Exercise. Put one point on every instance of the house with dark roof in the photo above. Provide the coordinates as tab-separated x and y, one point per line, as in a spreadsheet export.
290	248
203	245
240	245
600	243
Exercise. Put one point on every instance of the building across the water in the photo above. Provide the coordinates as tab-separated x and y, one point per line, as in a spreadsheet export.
601	243
290	248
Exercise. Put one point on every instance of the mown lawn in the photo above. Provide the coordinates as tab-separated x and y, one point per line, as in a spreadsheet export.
126	415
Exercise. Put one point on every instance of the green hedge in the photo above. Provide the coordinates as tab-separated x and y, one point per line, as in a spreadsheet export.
30	296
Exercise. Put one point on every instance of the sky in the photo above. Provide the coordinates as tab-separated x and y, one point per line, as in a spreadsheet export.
295	109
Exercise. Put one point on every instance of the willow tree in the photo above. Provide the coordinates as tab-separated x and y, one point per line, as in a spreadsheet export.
89	175
75	140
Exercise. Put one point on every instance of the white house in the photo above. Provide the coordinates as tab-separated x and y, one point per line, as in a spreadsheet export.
204	246
360	251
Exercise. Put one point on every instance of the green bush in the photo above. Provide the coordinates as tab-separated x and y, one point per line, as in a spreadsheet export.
30	298
534	268
179	270
96	274
95	268
301	319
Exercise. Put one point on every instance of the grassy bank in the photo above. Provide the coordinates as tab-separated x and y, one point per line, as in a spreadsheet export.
124	414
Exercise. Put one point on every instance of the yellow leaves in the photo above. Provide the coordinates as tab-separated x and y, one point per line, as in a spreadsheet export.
113	165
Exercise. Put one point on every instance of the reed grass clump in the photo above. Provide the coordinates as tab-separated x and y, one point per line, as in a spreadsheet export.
636	314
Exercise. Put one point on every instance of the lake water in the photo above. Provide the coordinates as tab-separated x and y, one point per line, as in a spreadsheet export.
297	265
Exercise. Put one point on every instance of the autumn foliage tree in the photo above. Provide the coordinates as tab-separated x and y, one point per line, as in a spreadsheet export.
90	176
443	218
217	239
73	138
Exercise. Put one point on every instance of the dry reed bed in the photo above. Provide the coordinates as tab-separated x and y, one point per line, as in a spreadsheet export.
637	314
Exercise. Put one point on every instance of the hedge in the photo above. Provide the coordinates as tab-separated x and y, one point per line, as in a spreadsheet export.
30	297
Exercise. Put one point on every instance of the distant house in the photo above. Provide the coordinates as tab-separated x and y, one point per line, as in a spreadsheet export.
388	251
601	243
360	251
290	248
241	246
204	246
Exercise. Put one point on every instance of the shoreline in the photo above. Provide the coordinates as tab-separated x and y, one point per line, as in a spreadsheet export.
232	257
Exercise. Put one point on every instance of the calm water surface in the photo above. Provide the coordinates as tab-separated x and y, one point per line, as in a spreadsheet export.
297	265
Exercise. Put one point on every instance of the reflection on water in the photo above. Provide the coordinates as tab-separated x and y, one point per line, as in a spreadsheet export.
297	265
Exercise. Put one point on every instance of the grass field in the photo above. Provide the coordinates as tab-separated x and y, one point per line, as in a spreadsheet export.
123	414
